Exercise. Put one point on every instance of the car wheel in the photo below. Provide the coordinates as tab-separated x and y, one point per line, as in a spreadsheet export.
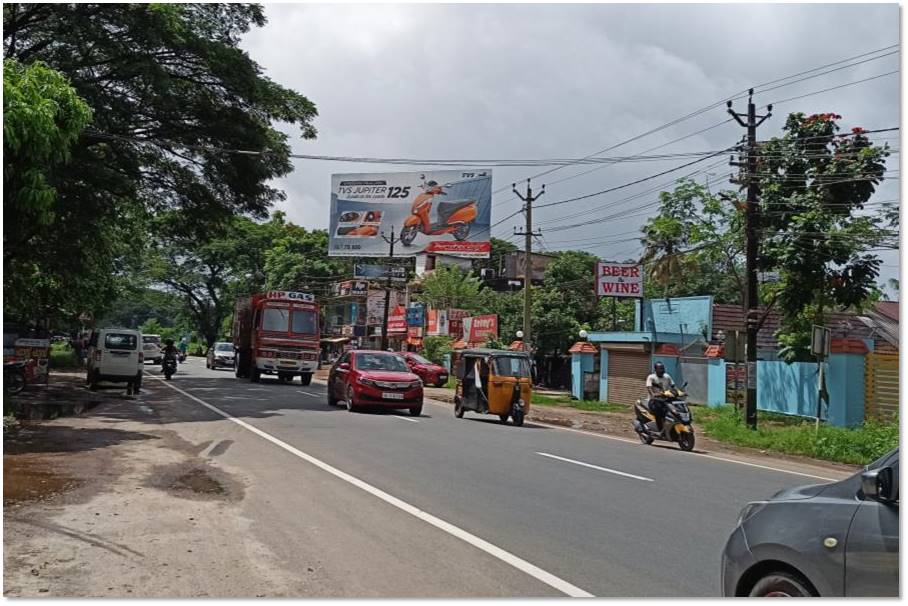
686	441
306	378
782	585
503	419
137	384
416	410
350	405
332	401
93	381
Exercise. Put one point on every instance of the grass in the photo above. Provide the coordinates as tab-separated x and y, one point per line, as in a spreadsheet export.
796	435
588	405
62	355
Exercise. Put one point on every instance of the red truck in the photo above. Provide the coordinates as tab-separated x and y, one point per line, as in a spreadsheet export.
276	332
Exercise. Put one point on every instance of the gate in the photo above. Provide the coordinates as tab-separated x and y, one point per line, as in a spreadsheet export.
881	385
696	372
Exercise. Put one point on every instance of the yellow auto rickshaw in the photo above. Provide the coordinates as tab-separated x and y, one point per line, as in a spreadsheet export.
493	381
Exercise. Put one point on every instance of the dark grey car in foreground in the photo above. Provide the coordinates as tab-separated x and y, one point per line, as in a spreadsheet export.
828	540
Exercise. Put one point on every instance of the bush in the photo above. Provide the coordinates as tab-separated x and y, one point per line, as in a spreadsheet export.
435	348
859	445
62	355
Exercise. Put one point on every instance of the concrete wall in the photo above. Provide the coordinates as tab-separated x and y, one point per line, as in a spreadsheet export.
580	363
687	315
603	375
845	383
787	388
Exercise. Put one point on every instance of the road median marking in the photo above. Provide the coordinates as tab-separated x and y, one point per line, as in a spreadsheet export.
597	467
508	558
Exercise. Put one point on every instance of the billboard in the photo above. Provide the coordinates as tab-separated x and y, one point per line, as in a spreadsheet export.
619	280
479	329
444	212
397	273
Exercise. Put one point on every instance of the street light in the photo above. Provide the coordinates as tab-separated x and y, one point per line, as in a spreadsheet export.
584	334
519	334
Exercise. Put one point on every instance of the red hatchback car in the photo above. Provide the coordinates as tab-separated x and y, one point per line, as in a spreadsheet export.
374	378
429	372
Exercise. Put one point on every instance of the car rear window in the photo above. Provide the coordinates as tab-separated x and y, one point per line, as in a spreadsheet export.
151	339
223	347
119	340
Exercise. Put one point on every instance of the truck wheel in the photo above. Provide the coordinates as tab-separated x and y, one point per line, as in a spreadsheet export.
254	375
306	378
239	365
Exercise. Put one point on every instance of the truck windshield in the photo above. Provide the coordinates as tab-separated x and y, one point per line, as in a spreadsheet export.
304	322
275	319
511	367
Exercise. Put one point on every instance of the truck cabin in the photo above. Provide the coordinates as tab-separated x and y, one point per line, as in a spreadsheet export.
278	318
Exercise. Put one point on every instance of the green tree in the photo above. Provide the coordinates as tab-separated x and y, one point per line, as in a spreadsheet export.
694	245
813	184
450	287
170	90
566	302
297	258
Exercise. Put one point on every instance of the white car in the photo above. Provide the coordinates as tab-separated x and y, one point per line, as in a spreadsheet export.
151	347
115	354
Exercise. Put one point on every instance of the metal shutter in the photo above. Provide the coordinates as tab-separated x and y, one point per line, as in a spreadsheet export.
627	372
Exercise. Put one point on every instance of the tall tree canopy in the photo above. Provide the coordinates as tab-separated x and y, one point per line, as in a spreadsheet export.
170	90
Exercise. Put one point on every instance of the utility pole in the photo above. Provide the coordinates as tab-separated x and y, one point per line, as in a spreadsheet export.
527	251
751	227
384	324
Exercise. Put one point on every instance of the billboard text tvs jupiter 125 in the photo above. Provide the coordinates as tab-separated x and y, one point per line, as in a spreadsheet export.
444	212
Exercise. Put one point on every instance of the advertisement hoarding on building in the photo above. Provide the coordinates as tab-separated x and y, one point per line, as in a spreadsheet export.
619	280
365	271
446	212
480	329
397	320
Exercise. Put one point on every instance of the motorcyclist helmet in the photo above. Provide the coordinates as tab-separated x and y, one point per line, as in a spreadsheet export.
168	341
659	367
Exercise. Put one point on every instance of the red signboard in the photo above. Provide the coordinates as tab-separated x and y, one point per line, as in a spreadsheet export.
460	249
482	328
397	320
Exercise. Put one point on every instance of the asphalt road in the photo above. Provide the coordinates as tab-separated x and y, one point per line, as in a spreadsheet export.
437	506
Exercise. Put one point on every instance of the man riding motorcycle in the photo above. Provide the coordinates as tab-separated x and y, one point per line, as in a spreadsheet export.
169	350
657	383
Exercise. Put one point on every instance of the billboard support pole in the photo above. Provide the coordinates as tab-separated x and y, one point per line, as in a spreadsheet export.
384	324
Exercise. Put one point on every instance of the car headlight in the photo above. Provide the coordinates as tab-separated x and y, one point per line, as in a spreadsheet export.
749	510
365	381
416	383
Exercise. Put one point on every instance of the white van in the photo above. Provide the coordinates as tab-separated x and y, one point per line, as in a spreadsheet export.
151	347
115	354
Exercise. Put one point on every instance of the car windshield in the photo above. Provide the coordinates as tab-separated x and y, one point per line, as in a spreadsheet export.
151	339
223	347
304	322
369	361
419	359
511	366
117	340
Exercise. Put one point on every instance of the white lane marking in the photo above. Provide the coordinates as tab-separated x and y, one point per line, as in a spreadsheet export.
605	469
309	393
469	538
695	454
210	447
405	418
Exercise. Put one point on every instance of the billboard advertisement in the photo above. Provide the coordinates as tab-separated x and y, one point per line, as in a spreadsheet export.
479	329
397	273
445	212
619	280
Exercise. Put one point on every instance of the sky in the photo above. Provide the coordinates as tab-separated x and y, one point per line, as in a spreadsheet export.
537	81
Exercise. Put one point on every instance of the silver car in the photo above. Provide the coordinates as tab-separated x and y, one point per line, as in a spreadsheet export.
220	356
828	540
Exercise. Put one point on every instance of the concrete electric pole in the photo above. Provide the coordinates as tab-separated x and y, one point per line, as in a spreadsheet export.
528	251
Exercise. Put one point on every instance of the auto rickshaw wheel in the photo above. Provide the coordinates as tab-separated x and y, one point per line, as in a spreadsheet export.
458	408
517	416
503	419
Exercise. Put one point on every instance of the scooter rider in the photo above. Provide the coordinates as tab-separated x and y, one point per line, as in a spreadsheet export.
169	350
657	383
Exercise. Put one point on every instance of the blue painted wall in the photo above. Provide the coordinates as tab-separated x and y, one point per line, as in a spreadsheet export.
603	375
580	363
687	315
671	367
715	392
787	388
845	383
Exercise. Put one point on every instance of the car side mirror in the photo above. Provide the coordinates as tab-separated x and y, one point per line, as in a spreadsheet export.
344	366
877	484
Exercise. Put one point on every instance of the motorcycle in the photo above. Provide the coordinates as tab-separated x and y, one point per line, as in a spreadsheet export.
454	216
169	366
13	377
676	426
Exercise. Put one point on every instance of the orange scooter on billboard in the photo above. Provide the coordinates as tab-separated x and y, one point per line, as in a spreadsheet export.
454	216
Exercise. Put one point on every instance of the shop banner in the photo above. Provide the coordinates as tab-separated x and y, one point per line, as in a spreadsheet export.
350	288
619	280
375	305
398	273
437	322
444	212
397	320
480	328
416	315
